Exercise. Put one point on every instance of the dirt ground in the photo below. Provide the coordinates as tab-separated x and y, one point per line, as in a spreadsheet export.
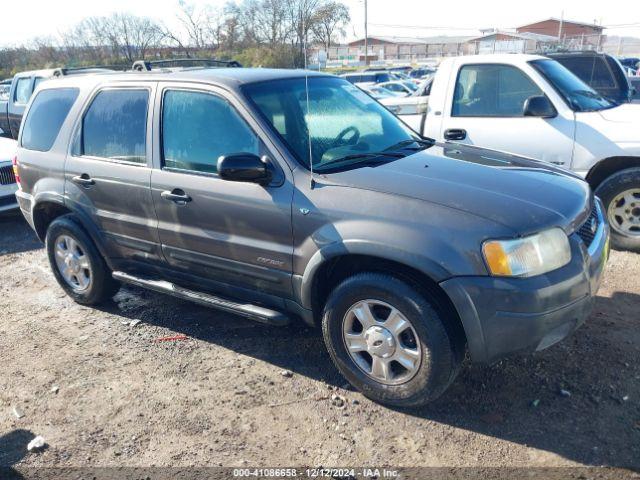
104	392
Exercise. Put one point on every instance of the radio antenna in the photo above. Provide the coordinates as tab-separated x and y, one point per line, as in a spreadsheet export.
306	90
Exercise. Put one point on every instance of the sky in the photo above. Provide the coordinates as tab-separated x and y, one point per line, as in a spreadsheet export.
386	17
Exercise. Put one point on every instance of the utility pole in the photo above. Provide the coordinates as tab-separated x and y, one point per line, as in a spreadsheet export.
366	36
560	26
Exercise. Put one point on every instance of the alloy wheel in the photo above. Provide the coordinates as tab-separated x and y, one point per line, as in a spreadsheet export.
73	263
382	342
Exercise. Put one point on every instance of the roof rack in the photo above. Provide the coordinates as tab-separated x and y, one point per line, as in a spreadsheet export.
147	66
63	71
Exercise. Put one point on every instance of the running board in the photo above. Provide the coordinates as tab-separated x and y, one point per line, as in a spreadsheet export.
247	310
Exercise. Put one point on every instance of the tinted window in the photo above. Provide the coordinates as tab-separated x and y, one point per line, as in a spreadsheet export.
198	128
492	91
23	90
380	77
115	125
46	116
580	96
591	70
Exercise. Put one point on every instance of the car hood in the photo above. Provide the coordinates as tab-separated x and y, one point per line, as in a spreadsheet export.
521	194
8	148
625	113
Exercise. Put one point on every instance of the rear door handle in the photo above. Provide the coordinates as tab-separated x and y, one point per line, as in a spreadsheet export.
176	196
455	134
84	180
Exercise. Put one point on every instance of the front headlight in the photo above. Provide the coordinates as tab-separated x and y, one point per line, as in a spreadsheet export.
528	256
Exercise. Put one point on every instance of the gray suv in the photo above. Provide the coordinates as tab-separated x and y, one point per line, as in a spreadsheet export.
280	196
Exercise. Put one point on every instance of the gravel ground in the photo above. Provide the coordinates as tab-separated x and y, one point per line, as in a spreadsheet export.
103	391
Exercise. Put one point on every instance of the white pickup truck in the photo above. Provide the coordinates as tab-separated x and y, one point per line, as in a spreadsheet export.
532	106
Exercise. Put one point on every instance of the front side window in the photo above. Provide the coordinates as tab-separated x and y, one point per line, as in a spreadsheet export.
198	128
115	126
492	91
23	90
340	120
46	116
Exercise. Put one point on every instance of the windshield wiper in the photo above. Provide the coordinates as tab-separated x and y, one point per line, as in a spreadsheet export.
423	142
361	156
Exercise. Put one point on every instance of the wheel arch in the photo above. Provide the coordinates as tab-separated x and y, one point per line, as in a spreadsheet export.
46	208
607	167
328	268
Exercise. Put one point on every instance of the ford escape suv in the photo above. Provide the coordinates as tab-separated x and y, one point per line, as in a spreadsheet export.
278	196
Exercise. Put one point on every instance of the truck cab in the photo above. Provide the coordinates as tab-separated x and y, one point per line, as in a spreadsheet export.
533	106
22	87
12	109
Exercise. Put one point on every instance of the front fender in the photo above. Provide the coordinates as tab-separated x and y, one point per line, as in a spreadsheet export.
429	267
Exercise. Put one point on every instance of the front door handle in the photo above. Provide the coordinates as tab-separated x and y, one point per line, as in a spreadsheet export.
176	196
455	134
84	180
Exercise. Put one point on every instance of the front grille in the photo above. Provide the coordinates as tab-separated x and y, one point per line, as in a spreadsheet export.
587	231
6	175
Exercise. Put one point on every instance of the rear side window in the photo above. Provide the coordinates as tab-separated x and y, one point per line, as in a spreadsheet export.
197	128
591	70
46	116
115	126
23	90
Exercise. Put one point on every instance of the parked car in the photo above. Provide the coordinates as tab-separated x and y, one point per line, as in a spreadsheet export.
378	92
635	83
367	77
312	201
8	186
21	88
600	71
402	87
5	86
533	106
421	73
630	62
411	109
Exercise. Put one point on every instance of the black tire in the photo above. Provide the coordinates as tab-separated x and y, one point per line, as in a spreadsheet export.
102	286
607	191
442	349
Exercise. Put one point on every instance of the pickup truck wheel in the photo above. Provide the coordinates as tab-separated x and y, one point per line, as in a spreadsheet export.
76	263
620	194
389	341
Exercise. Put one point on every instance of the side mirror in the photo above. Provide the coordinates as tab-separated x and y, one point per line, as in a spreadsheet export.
244	167
539	106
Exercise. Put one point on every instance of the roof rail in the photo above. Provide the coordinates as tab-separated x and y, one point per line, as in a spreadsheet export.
147	66
63	71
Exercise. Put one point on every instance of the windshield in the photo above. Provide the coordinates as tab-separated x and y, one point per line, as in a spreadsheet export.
345	125
580	96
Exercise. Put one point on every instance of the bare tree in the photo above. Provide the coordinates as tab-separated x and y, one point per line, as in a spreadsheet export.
329	22
301	16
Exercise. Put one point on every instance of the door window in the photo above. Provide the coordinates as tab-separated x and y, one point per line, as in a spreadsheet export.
23	90
115	126
198	128
492	91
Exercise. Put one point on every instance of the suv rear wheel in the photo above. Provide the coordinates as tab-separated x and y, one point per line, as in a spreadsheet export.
389	341
76	263
620	194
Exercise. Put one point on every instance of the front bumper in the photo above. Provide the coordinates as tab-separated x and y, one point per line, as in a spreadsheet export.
501	316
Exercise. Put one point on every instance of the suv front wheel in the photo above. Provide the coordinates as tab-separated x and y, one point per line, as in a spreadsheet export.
390	341
76	263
